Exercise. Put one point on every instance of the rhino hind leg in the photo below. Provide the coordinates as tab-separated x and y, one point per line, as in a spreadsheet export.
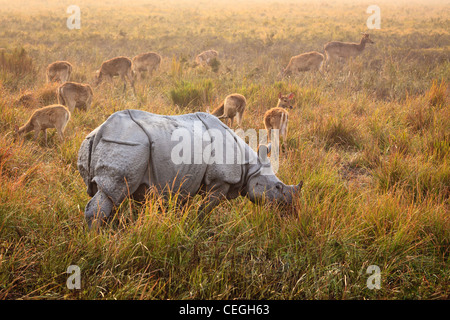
98	209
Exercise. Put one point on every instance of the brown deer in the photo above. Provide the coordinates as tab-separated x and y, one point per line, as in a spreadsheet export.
308	61
53	116
335	50
206	57
43	96
277	118
73	94
232	107
59	71
285	101
119	66
145	62
28	100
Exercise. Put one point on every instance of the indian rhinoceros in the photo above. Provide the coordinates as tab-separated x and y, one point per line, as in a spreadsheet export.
196	153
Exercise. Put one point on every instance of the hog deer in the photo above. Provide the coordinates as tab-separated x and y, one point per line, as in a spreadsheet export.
73	94
276	118
53	116
119	66
285	101
28	100
309	61
59	71
145	62
44	96
206	57
232	107
335	50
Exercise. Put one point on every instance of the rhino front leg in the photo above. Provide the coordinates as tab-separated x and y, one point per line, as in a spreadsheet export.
98	210
213	196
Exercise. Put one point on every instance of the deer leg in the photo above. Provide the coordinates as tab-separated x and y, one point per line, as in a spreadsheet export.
60	133
44	131
88	103
239	118
130	78
36	134
268	134
124	83
71	105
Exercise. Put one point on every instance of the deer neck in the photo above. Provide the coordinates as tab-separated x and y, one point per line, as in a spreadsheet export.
27	127
361	45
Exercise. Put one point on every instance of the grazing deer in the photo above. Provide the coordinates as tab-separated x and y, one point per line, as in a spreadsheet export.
28	100
233	106
206	57
59	71
73	94
285	101
143	62
276	118
304	62
53	116
43	96
336	49
119	66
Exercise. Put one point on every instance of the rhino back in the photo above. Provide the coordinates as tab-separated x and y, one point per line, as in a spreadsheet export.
133	141
165	171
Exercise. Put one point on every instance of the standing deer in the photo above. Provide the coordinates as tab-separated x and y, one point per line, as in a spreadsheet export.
59	71
206	57
119	66
143	62
285	101
304	62
53	116
277	118
232	107
335	50
73	94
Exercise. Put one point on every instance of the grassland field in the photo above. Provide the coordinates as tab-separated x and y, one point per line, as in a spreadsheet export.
370	139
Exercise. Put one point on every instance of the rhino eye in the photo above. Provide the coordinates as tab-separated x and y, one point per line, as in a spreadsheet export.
278	186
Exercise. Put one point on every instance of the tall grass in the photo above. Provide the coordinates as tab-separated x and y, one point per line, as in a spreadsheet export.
370	141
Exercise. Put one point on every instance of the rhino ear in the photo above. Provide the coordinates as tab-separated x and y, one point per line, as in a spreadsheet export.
299	186
263	152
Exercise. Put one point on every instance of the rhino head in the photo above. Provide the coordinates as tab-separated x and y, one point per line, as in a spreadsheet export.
263	185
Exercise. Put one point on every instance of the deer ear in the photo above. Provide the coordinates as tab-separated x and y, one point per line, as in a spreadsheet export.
291	95
279	95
